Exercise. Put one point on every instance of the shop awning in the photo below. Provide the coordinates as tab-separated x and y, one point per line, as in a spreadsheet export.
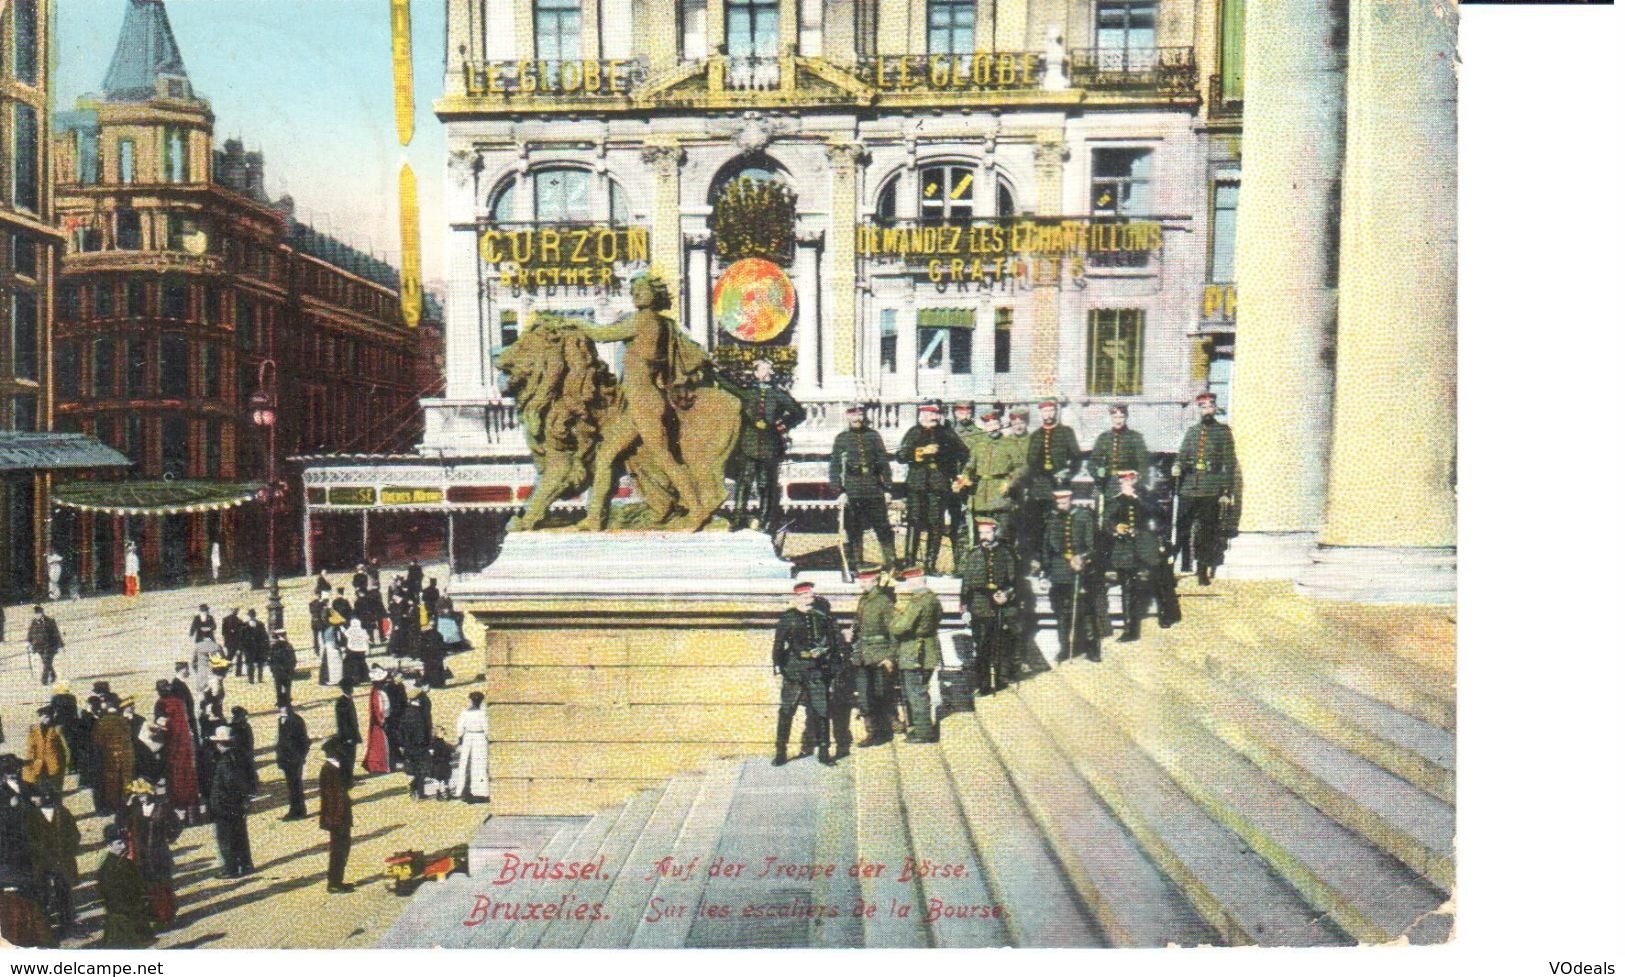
27	451
947	319
154	498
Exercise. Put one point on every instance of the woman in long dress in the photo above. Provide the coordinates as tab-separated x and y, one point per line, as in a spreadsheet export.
377	758
473	782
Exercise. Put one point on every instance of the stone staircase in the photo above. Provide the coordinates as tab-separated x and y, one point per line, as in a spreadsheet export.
1265	773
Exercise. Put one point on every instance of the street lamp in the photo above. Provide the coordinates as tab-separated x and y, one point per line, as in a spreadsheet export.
262	411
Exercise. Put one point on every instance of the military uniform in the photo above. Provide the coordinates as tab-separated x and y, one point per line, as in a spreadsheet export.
994	470
930	488
1128	552
874	656
768	413
1206	470
860	468
1073	593
914	623
1116	451
803	645
991	569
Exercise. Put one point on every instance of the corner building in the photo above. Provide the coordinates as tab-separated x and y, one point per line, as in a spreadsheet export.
994	201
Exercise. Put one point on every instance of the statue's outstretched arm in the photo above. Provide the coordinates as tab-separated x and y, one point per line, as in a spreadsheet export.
619	331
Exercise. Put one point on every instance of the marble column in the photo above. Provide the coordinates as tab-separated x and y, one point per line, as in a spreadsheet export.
1044	345
841	284
666	236
1390	531
1285	255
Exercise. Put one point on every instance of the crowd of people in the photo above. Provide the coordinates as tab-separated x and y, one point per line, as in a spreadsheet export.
189	760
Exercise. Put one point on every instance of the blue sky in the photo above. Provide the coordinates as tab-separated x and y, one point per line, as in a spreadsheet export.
307	82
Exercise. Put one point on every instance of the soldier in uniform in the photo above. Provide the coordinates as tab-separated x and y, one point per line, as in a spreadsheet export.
914	624
769	413
989	592
1205	471
1053	456
1128	552
1069	539
802	643
874	657
993	471
933	454
1116	450
860	472
965	419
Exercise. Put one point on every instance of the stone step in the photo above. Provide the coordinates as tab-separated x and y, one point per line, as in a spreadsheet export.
1343	646
434	915
497	929
1407	822
696	844
1022	875
562	893
937	832
837	844
1234	889
1135	903
628	896
499	836
759	889
1419	752
1367	892
899	916
614	851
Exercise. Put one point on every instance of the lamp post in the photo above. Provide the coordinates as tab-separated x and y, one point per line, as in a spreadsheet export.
262	410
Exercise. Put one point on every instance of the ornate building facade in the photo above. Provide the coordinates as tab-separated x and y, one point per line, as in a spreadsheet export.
184	291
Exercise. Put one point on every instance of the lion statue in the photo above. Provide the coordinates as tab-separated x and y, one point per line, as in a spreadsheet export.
583	432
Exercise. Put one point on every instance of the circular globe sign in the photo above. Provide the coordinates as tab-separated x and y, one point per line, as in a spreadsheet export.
753	300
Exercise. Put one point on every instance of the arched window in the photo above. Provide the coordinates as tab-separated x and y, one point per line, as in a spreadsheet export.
757	166
947	192
1007	199
560	195
886	202
620	212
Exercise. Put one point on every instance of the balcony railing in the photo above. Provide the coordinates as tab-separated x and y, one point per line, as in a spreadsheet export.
753	73
581	78
1165	71
1220	106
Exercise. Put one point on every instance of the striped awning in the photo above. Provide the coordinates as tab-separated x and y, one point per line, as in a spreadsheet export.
154	498
31	450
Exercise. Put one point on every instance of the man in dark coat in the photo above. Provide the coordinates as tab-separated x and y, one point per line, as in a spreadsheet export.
1053	460
318	624
1206	474
860	474
1128	552
933	454
242	747
1069	542
346	728
284	662
358	580
65	717
229	794
292	746
337	815
128	921
416	729
257	646
804	643
202	624
1118	449
231	633
414	579
45	638
395	692
989	592
768	415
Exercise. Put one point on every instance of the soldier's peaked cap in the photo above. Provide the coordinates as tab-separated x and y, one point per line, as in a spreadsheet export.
856	410
930	409
1130	475
1118	409
1021	412
986	522
802	587
1062	493
964	405
1047	403
909	573
991	415
1206	396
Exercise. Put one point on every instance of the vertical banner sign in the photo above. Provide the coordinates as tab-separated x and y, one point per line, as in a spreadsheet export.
400	29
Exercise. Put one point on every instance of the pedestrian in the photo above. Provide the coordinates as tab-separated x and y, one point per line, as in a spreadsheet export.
256	646
181	688
318	629
151	764
473	778
395	692
414	579
229	794
152	828
934	455
358	580
127	920
202	624
430	598
284	662
1069	542
346	728
860	475
1128	552
22	919
65	717
45	640
323	587
342	609
214	561
379	751
47	762
115	748
242	748
132	569
449	622
989	595
416	729
874	657
53	576
914	624
357	642
87	758
55	845
231	631
180	750
337	816
292	747
1205	472
768	413
803	640
369	607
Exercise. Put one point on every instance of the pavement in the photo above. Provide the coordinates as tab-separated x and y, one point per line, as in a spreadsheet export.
133	642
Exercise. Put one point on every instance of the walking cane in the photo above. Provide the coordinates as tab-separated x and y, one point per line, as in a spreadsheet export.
840	543
1072	626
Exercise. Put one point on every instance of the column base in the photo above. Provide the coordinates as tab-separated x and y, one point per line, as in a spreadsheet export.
1381	574
1268	555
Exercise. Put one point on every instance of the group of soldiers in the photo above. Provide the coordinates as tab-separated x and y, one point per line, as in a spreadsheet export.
1018	520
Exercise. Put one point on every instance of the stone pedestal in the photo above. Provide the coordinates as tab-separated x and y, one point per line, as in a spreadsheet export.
617	660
